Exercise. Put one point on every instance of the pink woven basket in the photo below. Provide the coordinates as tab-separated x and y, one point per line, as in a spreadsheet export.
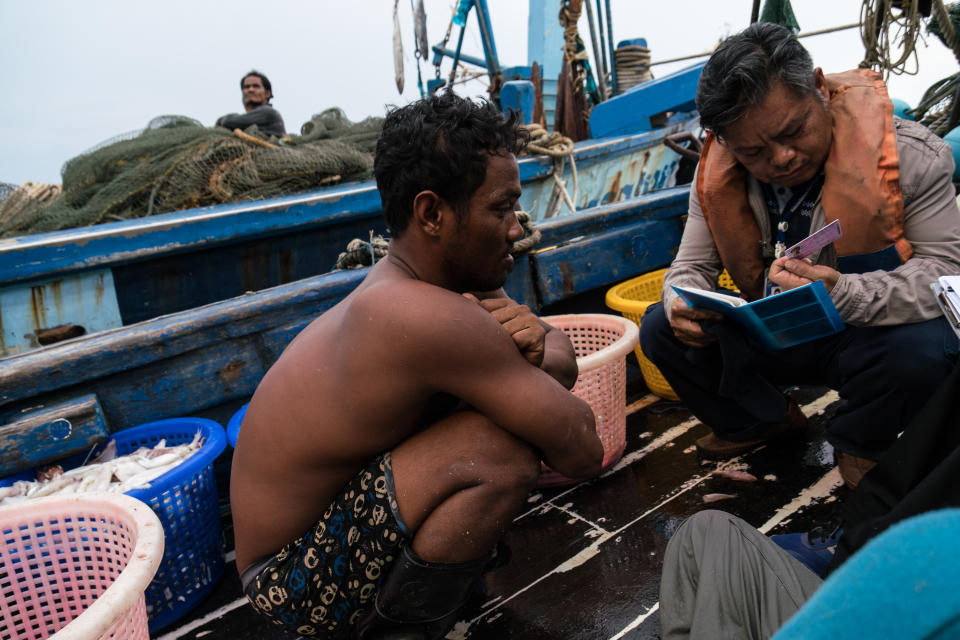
601	342
75	568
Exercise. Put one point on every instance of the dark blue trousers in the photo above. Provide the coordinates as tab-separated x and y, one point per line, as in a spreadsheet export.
920	472
884	375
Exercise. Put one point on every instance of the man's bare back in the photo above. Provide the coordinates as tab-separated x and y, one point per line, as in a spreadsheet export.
328	406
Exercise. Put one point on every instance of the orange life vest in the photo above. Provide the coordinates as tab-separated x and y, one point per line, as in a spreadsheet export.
861	186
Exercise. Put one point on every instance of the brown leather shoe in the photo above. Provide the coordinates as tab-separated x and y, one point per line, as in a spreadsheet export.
853	468
793	425
715	448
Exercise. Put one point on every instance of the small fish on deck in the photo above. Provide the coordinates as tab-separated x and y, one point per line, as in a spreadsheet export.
717	497
735	474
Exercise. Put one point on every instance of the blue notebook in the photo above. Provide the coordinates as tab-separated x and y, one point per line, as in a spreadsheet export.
776	322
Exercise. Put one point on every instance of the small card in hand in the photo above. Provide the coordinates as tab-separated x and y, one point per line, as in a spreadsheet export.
815	241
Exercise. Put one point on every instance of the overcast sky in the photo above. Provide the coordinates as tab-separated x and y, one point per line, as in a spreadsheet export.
78	73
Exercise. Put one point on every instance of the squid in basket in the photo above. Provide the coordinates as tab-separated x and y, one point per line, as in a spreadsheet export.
107	472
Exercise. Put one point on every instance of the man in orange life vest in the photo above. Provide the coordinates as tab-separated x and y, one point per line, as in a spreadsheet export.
789	150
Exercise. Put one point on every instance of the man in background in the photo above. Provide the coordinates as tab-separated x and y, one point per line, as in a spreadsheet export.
257	93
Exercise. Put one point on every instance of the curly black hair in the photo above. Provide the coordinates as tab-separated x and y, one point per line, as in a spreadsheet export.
440	144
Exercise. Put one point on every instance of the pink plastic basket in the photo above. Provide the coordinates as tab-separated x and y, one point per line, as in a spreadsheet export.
75	568
601	343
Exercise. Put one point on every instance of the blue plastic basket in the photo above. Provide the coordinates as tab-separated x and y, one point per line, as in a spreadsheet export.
233	426
185	500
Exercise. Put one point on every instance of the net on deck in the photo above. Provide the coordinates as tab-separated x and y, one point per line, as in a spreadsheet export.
176	163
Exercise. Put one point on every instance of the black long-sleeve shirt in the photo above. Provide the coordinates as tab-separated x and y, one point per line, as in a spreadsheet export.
265	117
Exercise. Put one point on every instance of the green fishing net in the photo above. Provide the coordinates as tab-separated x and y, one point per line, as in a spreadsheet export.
6	189
176	163
937	104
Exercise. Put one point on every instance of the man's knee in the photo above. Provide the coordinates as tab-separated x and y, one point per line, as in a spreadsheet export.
702	526
686	548
919	352
495	456
910	355
654	330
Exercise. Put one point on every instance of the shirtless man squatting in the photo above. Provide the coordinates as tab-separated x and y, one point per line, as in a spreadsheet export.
397	436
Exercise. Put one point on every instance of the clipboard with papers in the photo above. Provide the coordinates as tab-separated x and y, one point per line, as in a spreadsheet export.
947	292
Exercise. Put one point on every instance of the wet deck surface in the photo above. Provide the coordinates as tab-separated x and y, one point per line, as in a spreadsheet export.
585	560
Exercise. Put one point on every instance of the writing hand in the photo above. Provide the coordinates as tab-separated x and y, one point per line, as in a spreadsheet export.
522	325
685	322
791	273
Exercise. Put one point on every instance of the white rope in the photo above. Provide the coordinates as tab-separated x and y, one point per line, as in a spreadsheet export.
882	32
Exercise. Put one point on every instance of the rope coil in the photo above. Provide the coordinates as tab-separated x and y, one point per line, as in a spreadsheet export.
633	66
543	142
879	27
531	235
362	253
560	148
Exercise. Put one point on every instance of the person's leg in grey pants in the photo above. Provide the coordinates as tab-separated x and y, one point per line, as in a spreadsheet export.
723	579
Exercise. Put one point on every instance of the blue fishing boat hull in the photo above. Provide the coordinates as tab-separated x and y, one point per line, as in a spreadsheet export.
207	360
82	281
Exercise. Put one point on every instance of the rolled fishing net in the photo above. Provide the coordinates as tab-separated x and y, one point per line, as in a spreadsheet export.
176	163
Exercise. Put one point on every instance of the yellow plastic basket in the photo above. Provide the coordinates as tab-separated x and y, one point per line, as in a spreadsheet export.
631	299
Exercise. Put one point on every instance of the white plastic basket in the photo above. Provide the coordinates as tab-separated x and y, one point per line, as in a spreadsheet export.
601	343
76	567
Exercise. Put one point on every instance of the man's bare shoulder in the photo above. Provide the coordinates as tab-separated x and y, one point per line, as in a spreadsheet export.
416	308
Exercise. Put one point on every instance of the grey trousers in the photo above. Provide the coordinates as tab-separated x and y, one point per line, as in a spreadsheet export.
722	579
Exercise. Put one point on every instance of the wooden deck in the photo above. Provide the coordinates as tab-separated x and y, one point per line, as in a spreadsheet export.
585	560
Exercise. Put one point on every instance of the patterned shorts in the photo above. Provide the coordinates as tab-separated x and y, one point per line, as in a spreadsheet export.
319	584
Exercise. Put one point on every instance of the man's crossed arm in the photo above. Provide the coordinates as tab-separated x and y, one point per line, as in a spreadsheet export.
542	345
